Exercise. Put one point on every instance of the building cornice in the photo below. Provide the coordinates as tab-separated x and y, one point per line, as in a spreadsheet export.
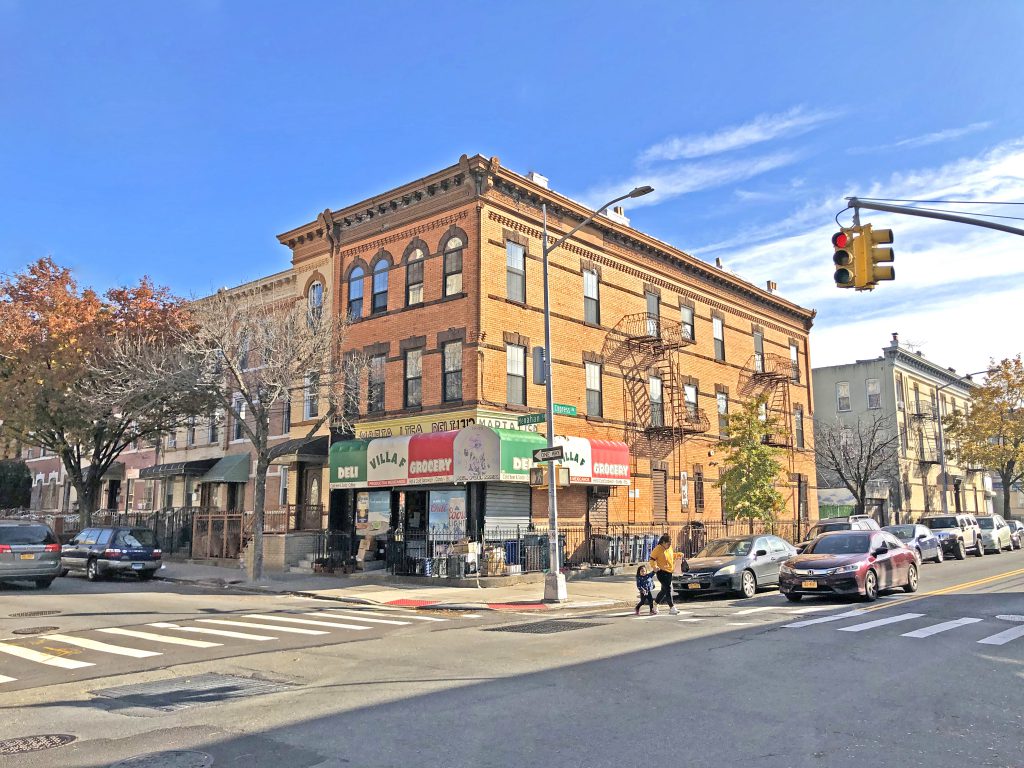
914	361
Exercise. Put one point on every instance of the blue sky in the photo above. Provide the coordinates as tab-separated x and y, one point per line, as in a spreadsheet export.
177	139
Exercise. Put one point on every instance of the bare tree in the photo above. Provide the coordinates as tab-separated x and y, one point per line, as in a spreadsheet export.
852	454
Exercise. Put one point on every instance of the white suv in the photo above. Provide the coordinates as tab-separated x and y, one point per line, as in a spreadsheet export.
957	533
995	533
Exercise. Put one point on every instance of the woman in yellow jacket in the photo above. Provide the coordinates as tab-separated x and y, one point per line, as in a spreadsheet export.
662	562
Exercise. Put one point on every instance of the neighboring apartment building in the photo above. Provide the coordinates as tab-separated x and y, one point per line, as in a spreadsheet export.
652	348
912	393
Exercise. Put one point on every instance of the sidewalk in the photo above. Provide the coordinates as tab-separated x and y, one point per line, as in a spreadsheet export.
373	589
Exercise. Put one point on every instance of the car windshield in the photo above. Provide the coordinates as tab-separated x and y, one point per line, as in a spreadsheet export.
727	548
987	523
940	522
847	544
905	532
825	528
137	537
18	535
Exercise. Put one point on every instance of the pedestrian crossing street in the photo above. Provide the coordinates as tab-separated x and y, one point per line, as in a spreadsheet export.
92	647
996	630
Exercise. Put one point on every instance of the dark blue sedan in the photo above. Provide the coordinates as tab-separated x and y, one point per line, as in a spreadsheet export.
920	539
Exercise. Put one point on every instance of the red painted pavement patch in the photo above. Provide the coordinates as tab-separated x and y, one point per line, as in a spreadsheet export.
517	606
408	603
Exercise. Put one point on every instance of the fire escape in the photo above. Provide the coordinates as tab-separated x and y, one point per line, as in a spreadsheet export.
769	376
923	419
657	414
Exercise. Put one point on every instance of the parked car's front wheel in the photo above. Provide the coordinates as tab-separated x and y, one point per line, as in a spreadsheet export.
870	586
92	570
748	584
911	585
979	548
939	556
961	550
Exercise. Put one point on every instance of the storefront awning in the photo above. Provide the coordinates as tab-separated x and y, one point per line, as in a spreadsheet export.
313	449
473	454
174	469
230	469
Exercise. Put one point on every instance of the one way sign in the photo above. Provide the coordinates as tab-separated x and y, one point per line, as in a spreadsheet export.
548	454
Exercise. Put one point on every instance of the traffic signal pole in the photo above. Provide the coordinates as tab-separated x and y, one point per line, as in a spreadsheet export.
857	204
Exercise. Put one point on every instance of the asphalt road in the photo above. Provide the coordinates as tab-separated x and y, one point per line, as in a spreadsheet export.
931	679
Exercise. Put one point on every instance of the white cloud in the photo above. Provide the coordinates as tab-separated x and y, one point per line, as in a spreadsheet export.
924	140
762	128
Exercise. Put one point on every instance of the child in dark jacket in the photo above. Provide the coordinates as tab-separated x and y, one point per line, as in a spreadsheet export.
645	586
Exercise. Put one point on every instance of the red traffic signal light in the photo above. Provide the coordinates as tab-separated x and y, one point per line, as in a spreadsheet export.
843	259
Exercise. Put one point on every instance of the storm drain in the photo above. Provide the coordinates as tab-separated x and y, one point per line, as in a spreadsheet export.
172	695
32	630
35	743
33	614
176	758
544	627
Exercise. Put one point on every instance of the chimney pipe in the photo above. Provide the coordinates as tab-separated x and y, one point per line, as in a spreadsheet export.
772	286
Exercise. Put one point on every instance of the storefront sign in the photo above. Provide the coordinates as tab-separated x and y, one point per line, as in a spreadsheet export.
577	457
611	462
476	452
387	462
440	422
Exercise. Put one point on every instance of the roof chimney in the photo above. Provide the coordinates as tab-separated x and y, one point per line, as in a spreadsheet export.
895	340
772	286
718	262
536	178
616	214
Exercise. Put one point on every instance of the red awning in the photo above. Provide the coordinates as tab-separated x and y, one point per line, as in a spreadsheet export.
431	457
610	462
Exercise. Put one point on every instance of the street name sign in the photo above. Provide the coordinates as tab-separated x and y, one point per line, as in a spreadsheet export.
530	418
563	410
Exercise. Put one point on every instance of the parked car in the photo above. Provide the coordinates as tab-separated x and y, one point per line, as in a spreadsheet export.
958	533
737	564
995	533
1016	533
29	551
100	552
920	539
851	523
850	563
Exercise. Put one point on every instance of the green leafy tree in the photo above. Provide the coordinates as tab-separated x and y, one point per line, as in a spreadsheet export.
752	468
15	484
991	435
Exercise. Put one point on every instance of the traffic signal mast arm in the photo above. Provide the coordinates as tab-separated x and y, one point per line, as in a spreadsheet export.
857	204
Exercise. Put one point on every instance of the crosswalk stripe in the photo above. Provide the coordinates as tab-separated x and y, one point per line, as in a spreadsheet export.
756	610
353	615
823	619
409	616
1002	638
291	620
881	622
6	679
96	645
250	625
690	621
206	631
943	627
159	638
810	609
43	658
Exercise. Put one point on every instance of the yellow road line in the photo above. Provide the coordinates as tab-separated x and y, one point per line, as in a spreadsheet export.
949	590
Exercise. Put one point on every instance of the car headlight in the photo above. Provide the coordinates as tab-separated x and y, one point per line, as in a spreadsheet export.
726	571
786	569
852	568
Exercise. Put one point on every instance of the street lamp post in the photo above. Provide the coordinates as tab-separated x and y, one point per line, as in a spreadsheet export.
554	582
942	443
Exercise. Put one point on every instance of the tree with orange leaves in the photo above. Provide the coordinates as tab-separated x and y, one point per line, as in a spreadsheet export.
54	337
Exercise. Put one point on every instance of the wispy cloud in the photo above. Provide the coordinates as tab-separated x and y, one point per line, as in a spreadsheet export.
761	129
924	140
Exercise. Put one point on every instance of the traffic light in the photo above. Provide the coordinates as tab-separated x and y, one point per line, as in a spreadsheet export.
867	256
845	276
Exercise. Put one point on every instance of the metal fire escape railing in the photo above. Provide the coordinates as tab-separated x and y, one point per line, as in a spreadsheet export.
769	376
926	438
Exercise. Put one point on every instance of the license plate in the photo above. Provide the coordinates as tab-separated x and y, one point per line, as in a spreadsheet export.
28	557
693	585
138	566
809	585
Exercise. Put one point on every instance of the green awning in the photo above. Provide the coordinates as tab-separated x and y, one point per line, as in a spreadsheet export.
348	464
517	449
230	469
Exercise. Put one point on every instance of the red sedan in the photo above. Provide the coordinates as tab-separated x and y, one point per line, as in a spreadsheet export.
850	563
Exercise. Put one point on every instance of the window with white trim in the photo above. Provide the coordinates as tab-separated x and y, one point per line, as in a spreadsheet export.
311	396
591	297
718	329
453	266
595	403
722	401
843	396
874	392
413	378
657	396
515	374
515	272
451	361
315	301
379	301
238	413
686	317
414	278
355	293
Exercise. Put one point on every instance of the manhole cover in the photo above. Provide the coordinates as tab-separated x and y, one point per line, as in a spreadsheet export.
544	627
32	630
177	758
171	695
33	614
34	743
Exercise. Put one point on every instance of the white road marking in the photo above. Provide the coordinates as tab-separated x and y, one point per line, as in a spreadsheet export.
308	622
740	623
1002	638
748	611
410	616
5	679
944	626
205	631
43	658
881	622
96	645
159	638
468	616
810	609
823	619
250	625
1010	617
690	620
360	617
616	615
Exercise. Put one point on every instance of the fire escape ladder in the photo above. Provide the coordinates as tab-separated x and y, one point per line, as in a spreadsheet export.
926	435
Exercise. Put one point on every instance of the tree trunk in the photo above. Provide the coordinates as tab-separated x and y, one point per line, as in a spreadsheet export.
258	505
1007	490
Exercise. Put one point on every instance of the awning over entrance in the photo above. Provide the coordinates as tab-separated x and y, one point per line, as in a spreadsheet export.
174	469
313	449
230	469
114	472
473	454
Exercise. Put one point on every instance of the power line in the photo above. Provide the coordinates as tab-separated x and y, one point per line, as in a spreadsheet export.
984	215
947	202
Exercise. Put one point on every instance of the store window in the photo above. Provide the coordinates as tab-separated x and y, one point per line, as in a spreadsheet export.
446	514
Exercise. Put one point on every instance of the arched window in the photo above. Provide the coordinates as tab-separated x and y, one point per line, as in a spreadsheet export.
414	277
315	300
355	293
380	287
453	266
